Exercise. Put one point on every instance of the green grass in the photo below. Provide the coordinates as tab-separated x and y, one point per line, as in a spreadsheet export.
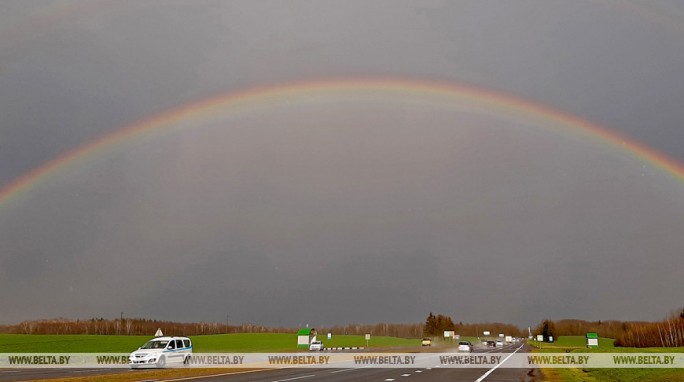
617	375
631	374
26	343
627	375
283	342
572	343
576	344
244	342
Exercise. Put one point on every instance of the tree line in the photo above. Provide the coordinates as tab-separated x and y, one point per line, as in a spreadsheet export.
142	326
401	330
436	325
668	332
132	327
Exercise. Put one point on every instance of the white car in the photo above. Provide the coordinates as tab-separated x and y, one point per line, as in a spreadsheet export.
316	346
499	343
161	351
465	346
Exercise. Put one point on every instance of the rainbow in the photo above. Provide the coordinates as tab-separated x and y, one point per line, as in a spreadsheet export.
268	96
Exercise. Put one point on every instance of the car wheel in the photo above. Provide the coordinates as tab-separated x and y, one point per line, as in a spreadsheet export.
161	362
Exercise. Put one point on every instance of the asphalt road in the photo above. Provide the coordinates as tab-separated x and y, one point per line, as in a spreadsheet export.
14	375
435	373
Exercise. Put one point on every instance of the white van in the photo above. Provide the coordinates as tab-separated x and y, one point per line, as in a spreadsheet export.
161	351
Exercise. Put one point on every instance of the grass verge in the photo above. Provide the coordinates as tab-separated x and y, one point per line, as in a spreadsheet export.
242	342
575	344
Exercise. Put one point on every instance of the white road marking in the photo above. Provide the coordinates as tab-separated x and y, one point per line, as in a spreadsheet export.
341	371
294	378
418	371
212	375
497	366
406	375
389	380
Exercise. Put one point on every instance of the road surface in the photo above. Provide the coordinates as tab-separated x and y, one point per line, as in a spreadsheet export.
434	373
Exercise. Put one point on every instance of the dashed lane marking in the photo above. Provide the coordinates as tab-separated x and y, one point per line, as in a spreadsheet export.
295	378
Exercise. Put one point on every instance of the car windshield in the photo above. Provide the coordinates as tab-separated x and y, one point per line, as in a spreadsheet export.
155	345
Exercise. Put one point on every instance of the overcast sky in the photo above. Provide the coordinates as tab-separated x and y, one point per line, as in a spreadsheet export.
352	207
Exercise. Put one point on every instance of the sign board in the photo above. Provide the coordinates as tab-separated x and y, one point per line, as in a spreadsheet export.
550	338
486	332
592	339
501	335
329	336
367	337
305	336
540	337
448	333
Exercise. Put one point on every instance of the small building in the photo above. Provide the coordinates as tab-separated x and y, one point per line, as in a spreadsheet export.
305	336
592	340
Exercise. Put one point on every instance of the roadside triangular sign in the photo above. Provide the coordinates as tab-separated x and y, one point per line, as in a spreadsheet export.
159	333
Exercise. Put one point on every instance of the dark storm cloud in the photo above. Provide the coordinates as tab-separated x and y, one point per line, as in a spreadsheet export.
249	287
354	208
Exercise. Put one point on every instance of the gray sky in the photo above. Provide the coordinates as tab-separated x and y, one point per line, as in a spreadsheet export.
349	208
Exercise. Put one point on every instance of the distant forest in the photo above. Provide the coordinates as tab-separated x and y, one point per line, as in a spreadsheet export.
665	333
148	327
668	332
